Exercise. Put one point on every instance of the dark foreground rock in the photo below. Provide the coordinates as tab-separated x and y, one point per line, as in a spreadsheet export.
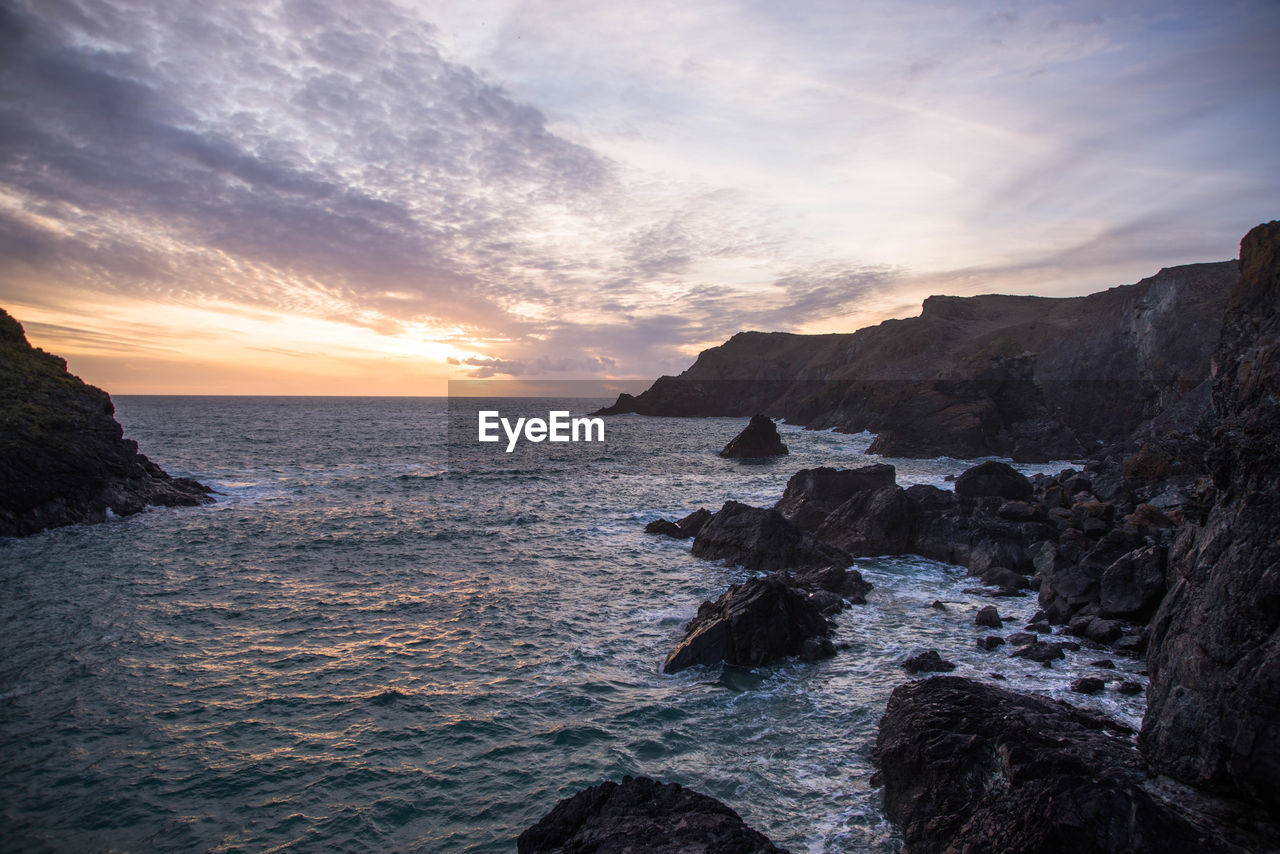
685	528
761	539
758	439
754	623
1213	705
63	456
642	816
972	767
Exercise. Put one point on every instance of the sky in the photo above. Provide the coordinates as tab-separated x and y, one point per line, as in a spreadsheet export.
379	196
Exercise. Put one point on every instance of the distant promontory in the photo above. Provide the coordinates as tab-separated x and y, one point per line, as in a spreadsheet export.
63	456
1032	378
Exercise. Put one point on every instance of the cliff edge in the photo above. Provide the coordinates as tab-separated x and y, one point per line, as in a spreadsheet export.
63	456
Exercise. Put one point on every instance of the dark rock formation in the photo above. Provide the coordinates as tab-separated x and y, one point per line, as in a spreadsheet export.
754	623
687	527
928	661
763	540
972	767
642	815
63	458
1029	377
989	617
814	494
1213	712
993	479
848	583
758	439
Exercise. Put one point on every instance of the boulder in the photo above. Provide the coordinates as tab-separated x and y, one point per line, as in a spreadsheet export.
760	539
1088	685
994	479
812	494
642	815
873	522
972	767
1133	586
758	439
754	623
988	616
927	661
848	583
687	527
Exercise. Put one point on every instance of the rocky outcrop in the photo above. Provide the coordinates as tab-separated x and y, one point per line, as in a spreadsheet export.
642	815
1029	377
754	623
758	439
972	767
683	529
63	456
762	540
1213	713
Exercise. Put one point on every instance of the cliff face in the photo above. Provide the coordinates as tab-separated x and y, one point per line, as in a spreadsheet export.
63	457
1213	714
1030	377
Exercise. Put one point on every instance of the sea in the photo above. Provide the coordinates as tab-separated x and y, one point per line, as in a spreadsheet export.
385	635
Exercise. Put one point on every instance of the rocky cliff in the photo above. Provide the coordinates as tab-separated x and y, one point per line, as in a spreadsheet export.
1213	715
63	456
1034	378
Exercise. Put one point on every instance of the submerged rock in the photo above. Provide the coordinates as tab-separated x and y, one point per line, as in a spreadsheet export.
754	623
758	439
973	767
642	815
687	527
928	661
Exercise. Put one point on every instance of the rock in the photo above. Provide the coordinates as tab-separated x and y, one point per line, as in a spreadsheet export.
871	523
1088	685
760	539
1213	703
665	527
1000	576
973	767
758	439
63	456
642	815
990	642
937	605
1018	511
995	479
927	662
754	623
1021	638
1105	664
1133	586
1042	652
1040	627
813	494
849	583
1129	688
693	523
988	616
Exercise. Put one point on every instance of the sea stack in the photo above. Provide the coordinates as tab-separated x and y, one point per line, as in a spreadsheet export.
759	439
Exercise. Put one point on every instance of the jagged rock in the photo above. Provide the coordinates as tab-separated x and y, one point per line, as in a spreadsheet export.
63	457
973	767
871	523
1105	664
642	815
1096	629
763	540
848	583
1000	576
990	642
758	439
1213	704
1129	688
988	616
927	662
687	527
813	494
937	605
994	479
754	623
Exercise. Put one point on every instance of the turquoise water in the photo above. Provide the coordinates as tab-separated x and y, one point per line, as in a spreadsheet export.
378	640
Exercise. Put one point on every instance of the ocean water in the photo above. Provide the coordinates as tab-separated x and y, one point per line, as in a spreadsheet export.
385	636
